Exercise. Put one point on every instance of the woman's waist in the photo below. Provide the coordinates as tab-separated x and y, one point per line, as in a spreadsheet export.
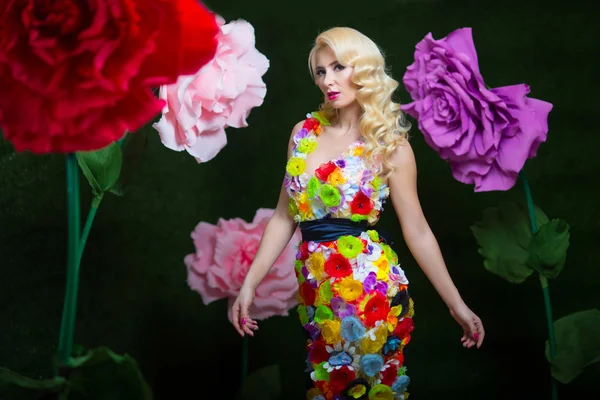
330	229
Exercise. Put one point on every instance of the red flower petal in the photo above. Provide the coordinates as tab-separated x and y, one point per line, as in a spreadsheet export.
389	375
307	293
318	352
361	204
76	75
325	170
376	309
404	328
340	378
338	266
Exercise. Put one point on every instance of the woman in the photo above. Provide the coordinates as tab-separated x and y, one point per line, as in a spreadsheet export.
343	163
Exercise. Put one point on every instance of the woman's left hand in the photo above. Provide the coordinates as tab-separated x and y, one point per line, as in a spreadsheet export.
471	324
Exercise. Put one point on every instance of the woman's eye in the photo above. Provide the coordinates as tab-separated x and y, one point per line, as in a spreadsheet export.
339	67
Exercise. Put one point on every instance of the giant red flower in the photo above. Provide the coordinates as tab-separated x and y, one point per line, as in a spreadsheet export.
75	75
404	328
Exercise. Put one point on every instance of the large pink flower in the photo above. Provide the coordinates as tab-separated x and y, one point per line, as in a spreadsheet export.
224	253
220	95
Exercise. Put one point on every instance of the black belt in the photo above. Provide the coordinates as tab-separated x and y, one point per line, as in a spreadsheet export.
330	229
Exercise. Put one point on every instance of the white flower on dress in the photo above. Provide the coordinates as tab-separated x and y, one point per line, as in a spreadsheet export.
340	356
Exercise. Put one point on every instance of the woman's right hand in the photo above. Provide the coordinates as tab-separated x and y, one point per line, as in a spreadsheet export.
239	312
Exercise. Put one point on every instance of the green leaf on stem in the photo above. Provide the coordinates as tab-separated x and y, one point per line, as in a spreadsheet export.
577	344
101	374
18	387
504	237
101	167
264	384
549	248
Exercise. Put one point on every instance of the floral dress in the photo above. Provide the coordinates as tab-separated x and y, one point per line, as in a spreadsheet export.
353	295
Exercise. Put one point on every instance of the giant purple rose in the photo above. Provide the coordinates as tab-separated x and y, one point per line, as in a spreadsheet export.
486	135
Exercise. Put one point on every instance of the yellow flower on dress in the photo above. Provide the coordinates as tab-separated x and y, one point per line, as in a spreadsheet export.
358	151
306	145
350	289
368	345
392	318
381	392
331	331
315	263
383	268
411	308
336	178
295	166
312	393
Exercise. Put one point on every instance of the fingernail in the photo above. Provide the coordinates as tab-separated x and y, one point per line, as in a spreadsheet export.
476	335
243	321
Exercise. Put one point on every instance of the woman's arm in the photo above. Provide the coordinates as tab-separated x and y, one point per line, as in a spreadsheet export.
277	234
423	244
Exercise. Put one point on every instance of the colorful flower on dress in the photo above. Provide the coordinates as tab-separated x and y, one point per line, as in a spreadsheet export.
338	266
322	314
340	378
318	352
404	328
376	309
315	263
336	178
374	338
389	372
307	294
371	364
401	384
330	195
331	331
391	345
341	308
349	289
381	392
342	356
313	187
295	166
320	373
358	389
361	204
352	329
350	246
307	145
325	170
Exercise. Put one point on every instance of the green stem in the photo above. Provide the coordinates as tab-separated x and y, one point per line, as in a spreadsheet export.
543	281
67	327
244	358
88	224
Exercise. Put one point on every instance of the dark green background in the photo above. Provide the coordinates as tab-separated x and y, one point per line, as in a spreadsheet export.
134	297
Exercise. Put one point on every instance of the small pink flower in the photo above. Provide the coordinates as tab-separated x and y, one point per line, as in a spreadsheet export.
199	107
224	253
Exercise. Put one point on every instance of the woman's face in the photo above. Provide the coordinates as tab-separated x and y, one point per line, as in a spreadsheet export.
333	79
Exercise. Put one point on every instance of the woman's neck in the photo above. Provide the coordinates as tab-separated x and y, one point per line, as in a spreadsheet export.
348	118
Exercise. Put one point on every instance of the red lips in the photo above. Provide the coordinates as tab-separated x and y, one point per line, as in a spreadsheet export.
332	95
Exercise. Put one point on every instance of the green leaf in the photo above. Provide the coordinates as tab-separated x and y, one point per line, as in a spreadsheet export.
577	344
504	237
101	167
101	374
548	252
264	384
18	387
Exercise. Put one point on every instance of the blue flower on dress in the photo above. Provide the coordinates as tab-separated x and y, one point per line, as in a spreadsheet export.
309	366
392	344
401	384
371	364
352	329
319	397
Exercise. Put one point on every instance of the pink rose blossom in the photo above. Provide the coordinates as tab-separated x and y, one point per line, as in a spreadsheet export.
224	253
200	107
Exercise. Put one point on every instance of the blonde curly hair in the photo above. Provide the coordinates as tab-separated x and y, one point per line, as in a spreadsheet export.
383	124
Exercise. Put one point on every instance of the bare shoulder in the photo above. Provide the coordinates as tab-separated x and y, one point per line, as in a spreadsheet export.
295	130
403	156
